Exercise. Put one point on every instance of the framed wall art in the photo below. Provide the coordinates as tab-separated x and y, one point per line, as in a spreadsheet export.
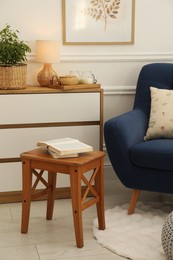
98	22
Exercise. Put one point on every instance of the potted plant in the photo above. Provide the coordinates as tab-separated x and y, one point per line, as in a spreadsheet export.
12	57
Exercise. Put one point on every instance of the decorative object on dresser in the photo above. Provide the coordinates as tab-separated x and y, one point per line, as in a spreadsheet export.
84	77
78	86
12	55
87	77
47	52
68	80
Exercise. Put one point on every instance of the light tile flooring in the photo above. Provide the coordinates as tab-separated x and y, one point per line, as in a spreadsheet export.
54	240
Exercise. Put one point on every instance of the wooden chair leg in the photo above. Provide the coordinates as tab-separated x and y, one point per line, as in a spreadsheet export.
26	195
133	201
99	187
75	187
51	194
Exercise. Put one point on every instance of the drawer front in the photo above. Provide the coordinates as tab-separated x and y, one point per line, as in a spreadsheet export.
16	141
47	108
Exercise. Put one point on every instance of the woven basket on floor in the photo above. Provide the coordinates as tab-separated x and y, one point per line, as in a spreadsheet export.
13	77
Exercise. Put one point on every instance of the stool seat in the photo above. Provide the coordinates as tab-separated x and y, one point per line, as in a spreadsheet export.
37	161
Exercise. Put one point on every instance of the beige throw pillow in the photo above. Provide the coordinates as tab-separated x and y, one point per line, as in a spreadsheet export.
161	114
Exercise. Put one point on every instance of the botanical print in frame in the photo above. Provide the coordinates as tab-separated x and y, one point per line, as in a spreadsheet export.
98	21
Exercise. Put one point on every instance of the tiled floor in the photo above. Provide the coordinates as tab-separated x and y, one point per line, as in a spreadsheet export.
54	240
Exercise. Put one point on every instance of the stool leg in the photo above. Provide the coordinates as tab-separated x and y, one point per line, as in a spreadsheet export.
51	194
75	183
26	195
99	187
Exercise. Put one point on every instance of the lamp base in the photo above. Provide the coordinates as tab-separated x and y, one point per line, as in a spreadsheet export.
47	77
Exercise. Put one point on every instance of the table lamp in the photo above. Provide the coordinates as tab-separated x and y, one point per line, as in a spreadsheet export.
47	52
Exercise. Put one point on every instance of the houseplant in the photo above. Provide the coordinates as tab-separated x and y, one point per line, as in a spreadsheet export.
12	57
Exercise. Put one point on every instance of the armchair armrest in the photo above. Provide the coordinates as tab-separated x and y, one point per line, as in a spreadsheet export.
129	128
121	133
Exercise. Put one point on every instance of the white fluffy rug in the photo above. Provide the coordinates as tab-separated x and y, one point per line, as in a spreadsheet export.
136	236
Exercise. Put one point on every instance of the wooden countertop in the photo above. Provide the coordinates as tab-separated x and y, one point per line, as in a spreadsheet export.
63	89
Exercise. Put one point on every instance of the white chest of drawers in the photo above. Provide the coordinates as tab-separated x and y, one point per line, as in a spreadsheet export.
36	113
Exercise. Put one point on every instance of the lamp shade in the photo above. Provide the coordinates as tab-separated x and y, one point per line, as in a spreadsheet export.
47	51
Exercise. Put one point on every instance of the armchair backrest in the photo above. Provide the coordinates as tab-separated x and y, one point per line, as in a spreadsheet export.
159	75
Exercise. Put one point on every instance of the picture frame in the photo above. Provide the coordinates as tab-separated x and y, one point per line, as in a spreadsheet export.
98	22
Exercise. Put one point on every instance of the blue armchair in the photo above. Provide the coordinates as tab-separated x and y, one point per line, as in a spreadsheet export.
141	165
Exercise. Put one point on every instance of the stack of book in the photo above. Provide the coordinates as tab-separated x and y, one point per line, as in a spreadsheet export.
65	147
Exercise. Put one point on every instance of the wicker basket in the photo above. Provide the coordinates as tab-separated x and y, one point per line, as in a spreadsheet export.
68	80
13	77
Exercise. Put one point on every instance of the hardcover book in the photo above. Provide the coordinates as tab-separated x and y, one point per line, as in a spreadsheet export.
64	147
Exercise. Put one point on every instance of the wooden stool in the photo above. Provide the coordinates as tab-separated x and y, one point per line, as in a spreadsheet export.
37	161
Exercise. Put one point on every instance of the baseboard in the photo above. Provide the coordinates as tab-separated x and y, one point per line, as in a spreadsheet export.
16	196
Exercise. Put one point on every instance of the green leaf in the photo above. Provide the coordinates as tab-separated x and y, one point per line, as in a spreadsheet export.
12	49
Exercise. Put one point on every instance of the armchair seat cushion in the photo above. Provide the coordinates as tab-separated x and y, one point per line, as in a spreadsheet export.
155	154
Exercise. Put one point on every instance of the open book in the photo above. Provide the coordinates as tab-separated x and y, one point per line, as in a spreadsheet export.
65	147
55	155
